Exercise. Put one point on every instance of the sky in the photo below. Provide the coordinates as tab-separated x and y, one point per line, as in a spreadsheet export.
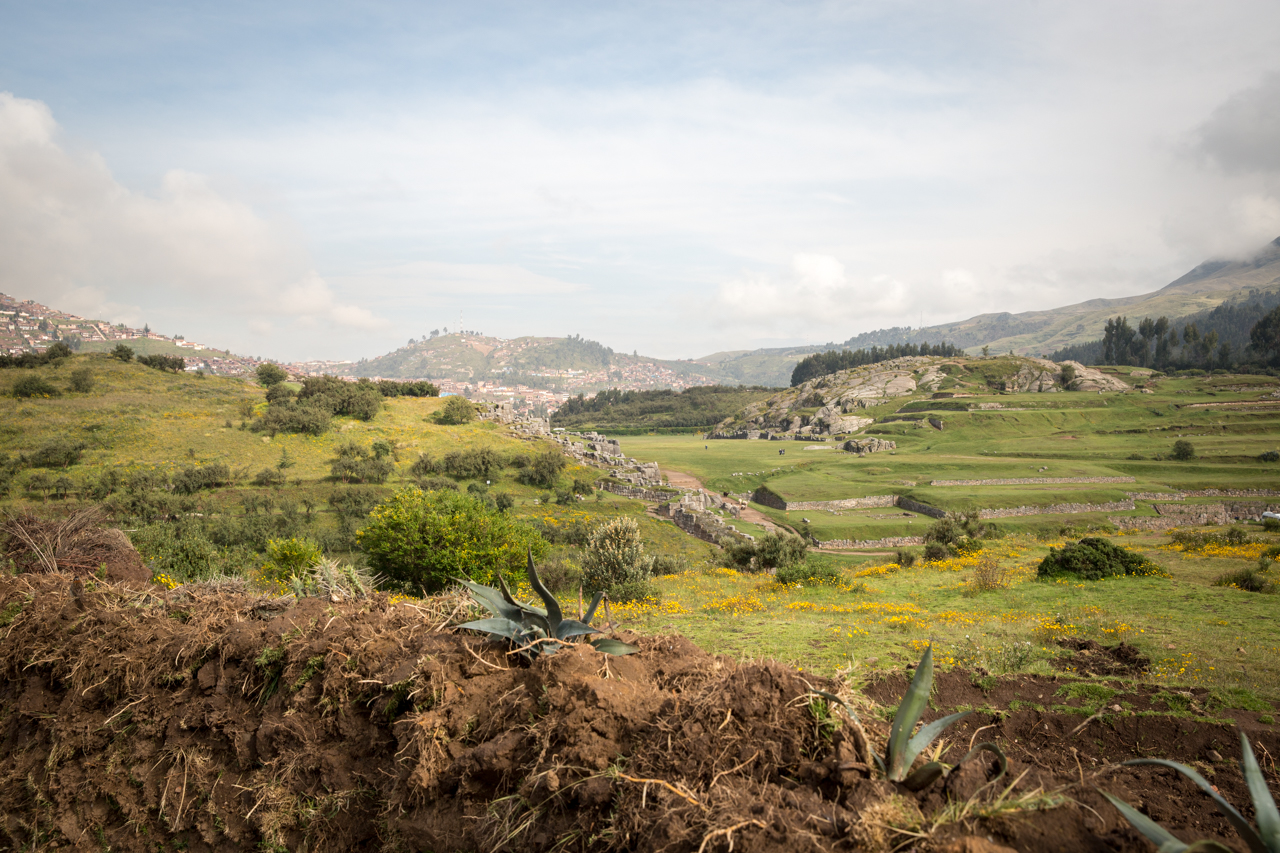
328	180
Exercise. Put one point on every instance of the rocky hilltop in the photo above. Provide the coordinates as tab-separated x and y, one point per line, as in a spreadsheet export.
837	404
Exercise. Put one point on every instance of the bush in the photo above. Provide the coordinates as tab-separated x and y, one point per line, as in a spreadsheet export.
357	464
280	393
269	477
544	470
122	352
615	561
58	453
1198	540
82	380
1254	579
435	484
476	464
455	411
423	539
560	573
936	552
583	487
812	572
770	551
905	558
34	386
288	558
504	501
176	363
1271	525
1269	456
355	399
292	417
1183	450
1094	559
191	480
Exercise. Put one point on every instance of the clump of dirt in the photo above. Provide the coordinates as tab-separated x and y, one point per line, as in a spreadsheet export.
211	719
1092	658
77	543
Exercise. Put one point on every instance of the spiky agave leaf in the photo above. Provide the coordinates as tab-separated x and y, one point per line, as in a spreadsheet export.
1162	838
493	601
614	647
1264	807
1247	832
497	626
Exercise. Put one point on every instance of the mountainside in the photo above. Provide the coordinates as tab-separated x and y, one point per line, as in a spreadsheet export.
571	363
1040	332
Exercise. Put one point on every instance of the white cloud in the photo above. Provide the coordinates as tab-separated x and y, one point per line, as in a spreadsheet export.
438	278
74	237
816	293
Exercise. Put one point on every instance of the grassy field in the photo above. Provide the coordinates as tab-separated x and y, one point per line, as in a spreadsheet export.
1062	435
878	617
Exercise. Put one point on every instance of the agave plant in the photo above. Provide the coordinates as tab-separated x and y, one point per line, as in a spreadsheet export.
1264	839
536	630
904	747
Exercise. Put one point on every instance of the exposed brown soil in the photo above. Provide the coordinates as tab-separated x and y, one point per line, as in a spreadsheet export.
1091	658
221	721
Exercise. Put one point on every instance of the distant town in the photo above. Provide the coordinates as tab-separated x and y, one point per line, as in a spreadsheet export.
27	325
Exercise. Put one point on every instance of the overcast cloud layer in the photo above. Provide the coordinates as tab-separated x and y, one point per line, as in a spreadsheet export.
326	180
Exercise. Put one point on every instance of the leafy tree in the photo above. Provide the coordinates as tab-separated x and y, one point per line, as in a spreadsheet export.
423	539
292	417
289	558
280	393
122	352
58	453
270	374
176	363
770	551
1183	450
832	361
1265	335
456	410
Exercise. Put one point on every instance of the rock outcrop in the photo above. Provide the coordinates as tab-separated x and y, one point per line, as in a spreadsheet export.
863	446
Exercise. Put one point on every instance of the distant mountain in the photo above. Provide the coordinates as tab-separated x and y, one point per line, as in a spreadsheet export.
565	364
1207	286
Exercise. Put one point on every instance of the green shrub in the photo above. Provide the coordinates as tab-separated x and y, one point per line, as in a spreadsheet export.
615	562
288	558
269	477
1253	579
1183	450
770	551
479	463
34	386
191	480
82	380
504	501
456	410
423	466
1271	525
176	363
936	552
355	463
905	558
290	416
122	352
58	453
270	374
422	539
812	572
280	393
1093	559
435	484
1269	456
543	470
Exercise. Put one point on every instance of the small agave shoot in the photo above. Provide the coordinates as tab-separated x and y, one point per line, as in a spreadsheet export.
1264	839
536	630
904	746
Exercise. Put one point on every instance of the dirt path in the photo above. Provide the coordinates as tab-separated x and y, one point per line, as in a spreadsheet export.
750	514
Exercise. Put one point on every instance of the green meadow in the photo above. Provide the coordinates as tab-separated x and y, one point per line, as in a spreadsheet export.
877	616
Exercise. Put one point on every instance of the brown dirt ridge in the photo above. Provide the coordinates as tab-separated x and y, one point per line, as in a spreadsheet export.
208	719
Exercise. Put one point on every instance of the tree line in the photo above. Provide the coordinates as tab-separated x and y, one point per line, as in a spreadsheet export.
1231	336
833	361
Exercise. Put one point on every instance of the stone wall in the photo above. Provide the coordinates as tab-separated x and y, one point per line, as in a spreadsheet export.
707	527
888	542
1015	511
847	503
924	509
635	492
1028	481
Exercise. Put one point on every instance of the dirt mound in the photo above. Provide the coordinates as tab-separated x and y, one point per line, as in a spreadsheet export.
1091	658
77	544
213	720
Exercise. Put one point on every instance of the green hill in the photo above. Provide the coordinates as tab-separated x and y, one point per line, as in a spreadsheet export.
538	362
